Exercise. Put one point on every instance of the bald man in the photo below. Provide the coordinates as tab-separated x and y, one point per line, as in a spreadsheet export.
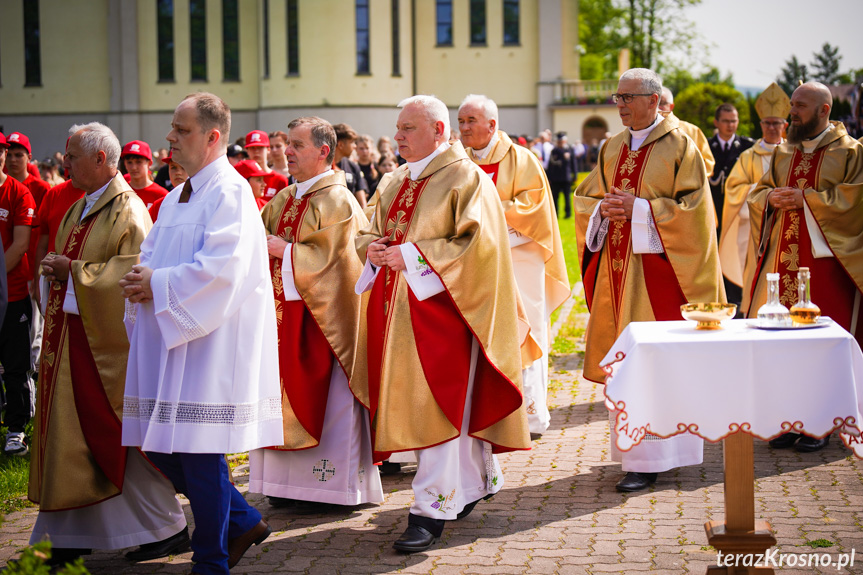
805	212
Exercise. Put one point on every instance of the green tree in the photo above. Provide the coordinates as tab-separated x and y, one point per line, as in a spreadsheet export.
791	75
678	79
599	31
697	104
825	66
655	24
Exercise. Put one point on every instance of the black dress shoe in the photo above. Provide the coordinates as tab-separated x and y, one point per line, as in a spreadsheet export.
421	534
281	501
635	481
469	507
173	545
63	555
810	444
390	467
535	436
785	440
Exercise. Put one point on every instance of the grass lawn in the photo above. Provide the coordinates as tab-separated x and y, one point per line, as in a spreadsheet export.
14	474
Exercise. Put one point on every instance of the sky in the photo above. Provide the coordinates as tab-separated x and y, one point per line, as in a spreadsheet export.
777	29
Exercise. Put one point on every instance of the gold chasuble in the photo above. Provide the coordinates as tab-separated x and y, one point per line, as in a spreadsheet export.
735	252
526	199
413	357
621	286
321	226
701	142
831	177
77	457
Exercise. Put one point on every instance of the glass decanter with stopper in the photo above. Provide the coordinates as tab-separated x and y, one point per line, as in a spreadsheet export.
773	313
804	312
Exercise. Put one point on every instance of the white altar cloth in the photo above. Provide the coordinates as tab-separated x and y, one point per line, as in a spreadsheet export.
667	378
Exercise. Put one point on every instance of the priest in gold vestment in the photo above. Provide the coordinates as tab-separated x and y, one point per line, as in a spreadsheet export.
534	239
806	212
92	492
647	244
772	106
438	362
311	226
666	108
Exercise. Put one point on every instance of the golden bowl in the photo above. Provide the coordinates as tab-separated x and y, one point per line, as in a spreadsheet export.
708	315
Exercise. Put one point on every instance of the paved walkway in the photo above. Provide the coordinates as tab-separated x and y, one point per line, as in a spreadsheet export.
558	511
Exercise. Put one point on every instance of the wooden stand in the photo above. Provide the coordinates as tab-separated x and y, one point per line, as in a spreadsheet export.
739	534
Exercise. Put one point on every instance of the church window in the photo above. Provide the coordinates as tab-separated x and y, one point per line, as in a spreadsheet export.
231	41
198	39
32	44
165	39
443	14
362	15
477	23
511	20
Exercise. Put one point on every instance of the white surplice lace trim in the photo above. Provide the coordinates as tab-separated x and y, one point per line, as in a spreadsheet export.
197	413
131	312
653	241
188	325
597	229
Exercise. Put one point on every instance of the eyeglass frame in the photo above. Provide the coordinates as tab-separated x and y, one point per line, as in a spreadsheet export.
627	98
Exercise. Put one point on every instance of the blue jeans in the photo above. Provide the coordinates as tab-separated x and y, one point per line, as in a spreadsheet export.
221	512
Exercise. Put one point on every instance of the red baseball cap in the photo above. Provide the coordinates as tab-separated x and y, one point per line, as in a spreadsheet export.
3	140
167	159
19	139
257	138
250	169
137	148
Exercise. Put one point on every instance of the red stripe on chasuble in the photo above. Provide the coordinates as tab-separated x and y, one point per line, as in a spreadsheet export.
491	170
379	312
663	289
305	356
101	427
831	288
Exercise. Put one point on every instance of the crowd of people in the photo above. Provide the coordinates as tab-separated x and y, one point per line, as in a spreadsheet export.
335	307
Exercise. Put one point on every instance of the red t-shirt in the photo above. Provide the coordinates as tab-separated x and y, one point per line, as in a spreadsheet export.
262	201
154	209
275	183
17	208
151	193
54	206
38	188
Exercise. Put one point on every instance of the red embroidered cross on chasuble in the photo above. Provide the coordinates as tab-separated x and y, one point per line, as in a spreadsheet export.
305	356
664	291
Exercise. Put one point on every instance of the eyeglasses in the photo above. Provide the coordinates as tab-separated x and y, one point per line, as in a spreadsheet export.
772	124
627	98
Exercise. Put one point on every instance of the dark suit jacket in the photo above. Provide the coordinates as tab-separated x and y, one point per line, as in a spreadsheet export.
562	165
725	160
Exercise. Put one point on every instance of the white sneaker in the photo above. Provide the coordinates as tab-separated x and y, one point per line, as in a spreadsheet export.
15	444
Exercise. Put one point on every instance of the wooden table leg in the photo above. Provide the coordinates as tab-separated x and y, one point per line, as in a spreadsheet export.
739	535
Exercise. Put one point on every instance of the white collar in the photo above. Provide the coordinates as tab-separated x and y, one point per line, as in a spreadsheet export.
416	168
200	179
303	187
90	199
769	147
481	154
810	145
725	143
638	136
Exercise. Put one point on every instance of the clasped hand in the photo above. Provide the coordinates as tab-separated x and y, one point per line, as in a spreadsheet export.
617	206
382	255
55	268
136	284
786	198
